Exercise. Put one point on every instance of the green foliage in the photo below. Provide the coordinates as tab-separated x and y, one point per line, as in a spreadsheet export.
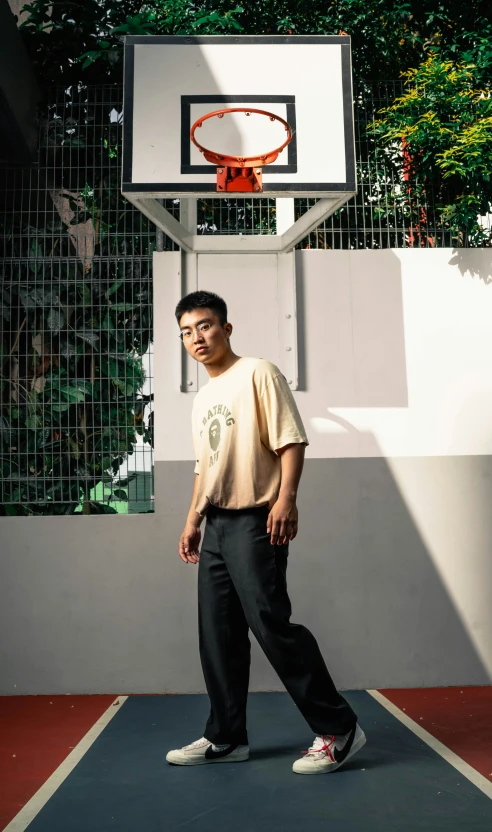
71	374
82	41
444	120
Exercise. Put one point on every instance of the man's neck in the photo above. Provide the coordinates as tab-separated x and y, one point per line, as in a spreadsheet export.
225	363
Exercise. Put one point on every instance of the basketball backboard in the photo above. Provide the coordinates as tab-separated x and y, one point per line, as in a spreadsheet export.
171	82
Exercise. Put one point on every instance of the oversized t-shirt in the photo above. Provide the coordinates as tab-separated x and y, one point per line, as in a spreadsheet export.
239	420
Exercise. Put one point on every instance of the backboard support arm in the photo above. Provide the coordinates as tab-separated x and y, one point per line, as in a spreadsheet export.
163	219
231	243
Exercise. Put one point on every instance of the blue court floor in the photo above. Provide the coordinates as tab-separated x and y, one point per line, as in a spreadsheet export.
123	782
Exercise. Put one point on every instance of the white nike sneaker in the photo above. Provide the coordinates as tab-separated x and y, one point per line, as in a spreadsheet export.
203	751
328	753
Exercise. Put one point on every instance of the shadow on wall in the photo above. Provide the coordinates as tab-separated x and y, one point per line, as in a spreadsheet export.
363	578
471	262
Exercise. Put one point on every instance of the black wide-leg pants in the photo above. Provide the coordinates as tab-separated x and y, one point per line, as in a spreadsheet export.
242	586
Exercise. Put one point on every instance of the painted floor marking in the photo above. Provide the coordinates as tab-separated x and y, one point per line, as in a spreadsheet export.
464	768
47	790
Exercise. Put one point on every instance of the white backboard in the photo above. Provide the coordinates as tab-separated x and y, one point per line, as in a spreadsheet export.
172	81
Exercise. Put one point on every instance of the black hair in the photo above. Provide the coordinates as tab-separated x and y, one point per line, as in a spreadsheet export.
202	300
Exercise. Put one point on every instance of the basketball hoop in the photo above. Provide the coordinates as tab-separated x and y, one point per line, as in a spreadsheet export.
240	173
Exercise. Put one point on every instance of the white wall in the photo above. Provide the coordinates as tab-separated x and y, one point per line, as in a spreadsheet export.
403	366
395	348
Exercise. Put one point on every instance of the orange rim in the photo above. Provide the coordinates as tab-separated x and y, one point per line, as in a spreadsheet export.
242	161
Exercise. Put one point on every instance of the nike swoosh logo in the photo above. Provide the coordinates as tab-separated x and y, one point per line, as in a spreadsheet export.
210	754
340	753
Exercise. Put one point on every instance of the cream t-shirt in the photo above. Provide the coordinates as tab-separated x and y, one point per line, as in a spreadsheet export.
239	420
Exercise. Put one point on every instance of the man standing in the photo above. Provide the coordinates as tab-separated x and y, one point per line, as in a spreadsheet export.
249	448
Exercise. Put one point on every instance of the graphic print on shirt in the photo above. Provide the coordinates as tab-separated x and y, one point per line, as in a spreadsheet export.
215	428
214	434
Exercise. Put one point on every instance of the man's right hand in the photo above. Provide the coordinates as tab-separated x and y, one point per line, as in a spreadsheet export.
188	544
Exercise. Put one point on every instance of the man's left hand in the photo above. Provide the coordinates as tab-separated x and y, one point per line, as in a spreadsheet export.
282	521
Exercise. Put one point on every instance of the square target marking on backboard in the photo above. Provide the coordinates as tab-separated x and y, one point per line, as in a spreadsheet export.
193	106
170	82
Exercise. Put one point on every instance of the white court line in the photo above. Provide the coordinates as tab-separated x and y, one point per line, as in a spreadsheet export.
466	770
47	790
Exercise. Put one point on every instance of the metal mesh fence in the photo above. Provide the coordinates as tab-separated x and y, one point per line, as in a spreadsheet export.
236	216
76	416
76	325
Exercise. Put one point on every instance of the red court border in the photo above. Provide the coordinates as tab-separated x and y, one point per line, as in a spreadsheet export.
37	733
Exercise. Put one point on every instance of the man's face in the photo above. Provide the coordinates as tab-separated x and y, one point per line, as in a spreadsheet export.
209	344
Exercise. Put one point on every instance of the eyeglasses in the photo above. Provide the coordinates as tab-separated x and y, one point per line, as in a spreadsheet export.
187	334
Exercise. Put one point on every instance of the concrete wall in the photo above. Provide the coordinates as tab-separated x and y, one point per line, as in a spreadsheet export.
19	94
16	6
391	568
